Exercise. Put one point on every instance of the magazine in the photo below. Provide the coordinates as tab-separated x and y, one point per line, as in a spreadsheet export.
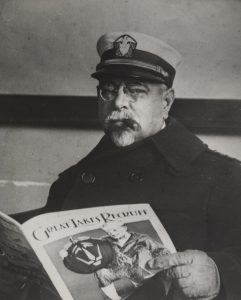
93	253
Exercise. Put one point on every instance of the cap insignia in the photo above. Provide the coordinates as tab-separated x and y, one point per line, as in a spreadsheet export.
124	45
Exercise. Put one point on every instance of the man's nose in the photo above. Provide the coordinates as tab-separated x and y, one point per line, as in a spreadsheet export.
122	100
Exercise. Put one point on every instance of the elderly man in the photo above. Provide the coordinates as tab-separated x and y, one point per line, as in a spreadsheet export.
147	156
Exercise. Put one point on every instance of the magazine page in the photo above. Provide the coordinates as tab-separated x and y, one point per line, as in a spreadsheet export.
17	250
98	253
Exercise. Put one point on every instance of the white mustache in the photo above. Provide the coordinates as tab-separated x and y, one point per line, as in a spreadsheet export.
119	115
126	117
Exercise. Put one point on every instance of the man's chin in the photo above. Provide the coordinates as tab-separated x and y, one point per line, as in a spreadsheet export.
122	138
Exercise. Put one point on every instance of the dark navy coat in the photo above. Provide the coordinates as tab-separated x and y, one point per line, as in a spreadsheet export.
195	192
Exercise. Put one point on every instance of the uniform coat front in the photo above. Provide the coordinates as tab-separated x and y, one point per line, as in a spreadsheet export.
195	192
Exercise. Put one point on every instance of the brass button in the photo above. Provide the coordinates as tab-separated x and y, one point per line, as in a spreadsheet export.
88	177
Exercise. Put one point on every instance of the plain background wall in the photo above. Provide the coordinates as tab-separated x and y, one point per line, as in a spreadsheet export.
48	47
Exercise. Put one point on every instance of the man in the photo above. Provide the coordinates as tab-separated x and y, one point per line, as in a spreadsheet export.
147	156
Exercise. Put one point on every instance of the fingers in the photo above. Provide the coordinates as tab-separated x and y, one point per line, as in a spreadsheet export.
177	272
168	261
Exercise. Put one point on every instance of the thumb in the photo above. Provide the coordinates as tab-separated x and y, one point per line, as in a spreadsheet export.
166	262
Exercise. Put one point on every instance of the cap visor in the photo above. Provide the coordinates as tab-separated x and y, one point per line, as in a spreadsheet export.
127	72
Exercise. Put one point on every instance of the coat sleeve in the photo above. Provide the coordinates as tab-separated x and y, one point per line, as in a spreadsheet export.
60	188
224	227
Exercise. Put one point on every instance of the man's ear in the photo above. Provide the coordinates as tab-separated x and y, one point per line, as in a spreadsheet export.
168	98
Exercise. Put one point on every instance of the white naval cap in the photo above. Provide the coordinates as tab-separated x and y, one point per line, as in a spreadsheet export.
138	55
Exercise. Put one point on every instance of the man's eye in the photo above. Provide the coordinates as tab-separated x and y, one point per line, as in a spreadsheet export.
107	94
108	86
104	90
108	91
137	91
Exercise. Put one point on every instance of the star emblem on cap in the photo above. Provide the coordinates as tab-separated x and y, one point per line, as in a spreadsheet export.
124	46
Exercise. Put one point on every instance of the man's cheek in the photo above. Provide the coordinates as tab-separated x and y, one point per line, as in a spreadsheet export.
103	114
104	108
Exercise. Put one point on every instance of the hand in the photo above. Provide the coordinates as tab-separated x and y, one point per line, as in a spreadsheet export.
193	272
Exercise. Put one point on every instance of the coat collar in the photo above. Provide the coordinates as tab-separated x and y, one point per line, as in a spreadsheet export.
177	145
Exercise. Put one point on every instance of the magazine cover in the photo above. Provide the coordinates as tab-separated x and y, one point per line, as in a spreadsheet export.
98	253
